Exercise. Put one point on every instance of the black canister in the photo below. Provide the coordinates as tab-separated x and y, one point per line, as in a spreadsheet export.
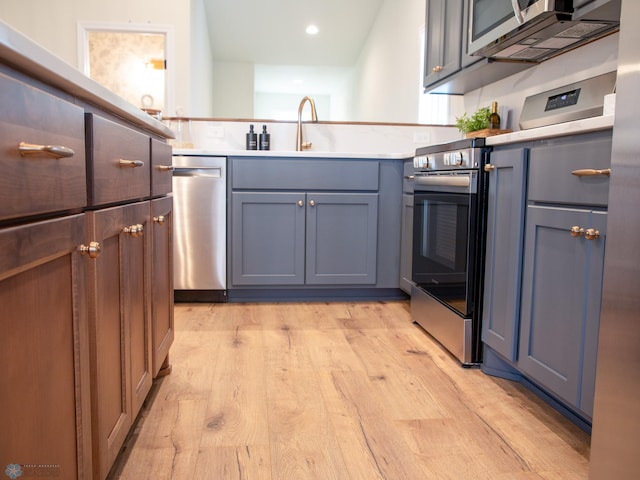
265	139
252	139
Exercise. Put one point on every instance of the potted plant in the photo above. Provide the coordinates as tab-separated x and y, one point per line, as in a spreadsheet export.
478	124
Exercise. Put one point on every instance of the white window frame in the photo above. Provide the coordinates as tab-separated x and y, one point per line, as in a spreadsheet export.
84	28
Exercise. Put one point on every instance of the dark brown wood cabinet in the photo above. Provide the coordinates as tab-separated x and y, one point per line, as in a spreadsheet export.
162	281
86	286
44	379
120	328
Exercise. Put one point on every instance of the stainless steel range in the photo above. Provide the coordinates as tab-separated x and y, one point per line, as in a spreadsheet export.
448	244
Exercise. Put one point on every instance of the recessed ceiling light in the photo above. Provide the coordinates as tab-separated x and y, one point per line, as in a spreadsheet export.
312	30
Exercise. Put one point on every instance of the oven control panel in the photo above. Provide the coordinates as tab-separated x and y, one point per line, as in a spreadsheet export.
445	160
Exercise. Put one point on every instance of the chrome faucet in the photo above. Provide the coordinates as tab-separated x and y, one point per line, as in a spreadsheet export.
300	145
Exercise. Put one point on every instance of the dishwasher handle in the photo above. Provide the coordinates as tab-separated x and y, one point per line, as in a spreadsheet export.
209	172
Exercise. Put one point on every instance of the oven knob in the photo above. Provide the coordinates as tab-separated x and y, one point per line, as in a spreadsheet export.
457	159
421	162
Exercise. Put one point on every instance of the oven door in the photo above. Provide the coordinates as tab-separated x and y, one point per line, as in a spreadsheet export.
445	219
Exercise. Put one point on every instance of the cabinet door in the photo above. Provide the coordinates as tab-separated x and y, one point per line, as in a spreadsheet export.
406	246
342	233
442	39
120	326
503	263
162	280
267	238
45	406
562	283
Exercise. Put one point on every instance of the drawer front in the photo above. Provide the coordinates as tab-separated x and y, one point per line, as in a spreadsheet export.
38	182
118	161
305	174
550	171
161	169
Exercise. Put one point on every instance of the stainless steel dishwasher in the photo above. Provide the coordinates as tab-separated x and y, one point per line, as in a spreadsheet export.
200	239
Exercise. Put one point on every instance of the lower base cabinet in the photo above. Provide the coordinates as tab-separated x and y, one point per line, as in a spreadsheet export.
562	291
162	281
298	238
45	405
120	326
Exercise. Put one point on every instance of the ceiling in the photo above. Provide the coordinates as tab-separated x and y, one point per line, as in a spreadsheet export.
273	31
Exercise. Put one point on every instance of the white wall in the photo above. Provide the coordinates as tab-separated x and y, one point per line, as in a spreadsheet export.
232	90
388	70
201	66
53	25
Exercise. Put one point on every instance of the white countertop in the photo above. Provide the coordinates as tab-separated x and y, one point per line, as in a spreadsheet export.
290	153
22	53
592	124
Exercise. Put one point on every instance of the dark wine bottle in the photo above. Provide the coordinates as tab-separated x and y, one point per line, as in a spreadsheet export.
494	118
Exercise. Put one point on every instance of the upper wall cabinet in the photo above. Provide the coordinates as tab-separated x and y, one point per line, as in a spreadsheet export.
448	68
442	39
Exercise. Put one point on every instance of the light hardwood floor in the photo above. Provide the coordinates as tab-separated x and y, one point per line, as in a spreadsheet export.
337	391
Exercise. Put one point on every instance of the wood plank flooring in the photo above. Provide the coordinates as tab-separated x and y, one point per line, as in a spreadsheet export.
339	391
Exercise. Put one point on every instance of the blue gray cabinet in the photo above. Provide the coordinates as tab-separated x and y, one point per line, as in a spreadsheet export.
563	265
562	290
442	39
503	263
407	243
306	222
298	238
268	238
406	250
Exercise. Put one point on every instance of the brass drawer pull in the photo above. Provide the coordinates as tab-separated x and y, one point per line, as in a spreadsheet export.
409	177
159	219
93	249
576	231
134	230
165	168
591	234
55	151
131	163
590	172
488	167
437	69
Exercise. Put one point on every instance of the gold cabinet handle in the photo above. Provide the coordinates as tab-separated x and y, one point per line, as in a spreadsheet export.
131	163
489	168
590	172
93	249
409	177
576	231
312	203
300	203
165	168
591	234
159	219
437	69
55	151
134	230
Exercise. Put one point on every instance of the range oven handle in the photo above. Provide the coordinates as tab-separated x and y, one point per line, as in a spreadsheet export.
452	183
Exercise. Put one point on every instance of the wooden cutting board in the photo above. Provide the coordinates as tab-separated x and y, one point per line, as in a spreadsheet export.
487	132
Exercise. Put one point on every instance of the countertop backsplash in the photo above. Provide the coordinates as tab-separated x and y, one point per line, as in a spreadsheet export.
227	136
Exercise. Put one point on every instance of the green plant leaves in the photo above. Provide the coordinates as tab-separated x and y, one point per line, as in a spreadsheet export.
477	121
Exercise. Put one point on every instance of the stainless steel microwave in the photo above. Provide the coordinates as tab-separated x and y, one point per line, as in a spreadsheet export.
529	30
